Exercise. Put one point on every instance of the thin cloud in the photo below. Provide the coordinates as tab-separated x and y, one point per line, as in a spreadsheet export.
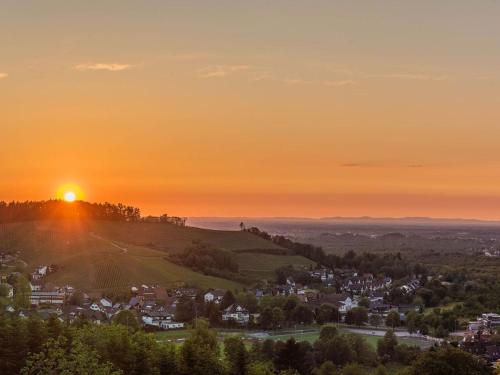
343	70
356	165
379	165
345	82
262	77
409	77
299	81
219	71
104	67
188	56
485	77
3	75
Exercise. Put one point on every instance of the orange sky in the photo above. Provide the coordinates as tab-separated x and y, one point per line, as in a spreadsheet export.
257	108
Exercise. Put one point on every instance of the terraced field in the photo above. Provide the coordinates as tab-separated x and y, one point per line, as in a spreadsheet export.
98	255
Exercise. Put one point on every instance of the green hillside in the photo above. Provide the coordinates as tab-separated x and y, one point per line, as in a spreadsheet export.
105	255
171	237
262	266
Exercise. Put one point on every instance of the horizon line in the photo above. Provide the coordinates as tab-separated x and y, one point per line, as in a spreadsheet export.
333	218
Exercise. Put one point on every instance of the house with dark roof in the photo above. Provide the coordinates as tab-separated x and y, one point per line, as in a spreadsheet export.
133	303
106	302
236	313
47	298
96	317
186	292
343	302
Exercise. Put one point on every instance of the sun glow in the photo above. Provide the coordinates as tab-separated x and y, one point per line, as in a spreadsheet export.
70	193
69	196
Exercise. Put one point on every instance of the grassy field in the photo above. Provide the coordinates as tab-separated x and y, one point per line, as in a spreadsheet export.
310	335
181	335
99	255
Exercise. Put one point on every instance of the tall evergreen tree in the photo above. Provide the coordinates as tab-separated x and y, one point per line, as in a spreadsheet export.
200	353
236	355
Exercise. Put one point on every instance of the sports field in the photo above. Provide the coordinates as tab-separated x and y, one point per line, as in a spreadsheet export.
310	335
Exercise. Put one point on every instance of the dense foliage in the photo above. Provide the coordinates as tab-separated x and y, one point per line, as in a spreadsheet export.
205	258
31	346
448	360
56	209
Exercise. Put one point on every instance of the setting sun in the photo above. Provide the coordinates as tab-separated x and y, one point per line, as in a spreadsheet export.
69	196
70	192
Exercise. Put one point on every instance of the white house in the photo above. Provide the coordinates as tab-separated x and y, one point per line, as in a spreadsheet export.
42	270
172	325
236	313
49	298
347	304
209	297
161	320
491	320
214	295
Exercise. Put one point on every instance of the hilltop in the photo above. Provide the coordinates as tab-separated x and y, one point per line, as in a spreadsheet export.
96	255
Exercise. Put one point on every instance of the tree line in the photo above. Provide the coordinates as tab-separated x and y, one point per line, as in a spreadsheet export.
32	346
57	209
11	212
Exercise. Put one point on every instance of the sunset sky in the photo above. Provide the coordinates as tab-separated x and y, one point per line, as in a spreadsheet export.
254	108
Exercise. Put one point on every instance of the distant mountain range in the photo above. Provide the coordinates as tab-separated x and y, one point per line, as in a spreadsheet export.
350	220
